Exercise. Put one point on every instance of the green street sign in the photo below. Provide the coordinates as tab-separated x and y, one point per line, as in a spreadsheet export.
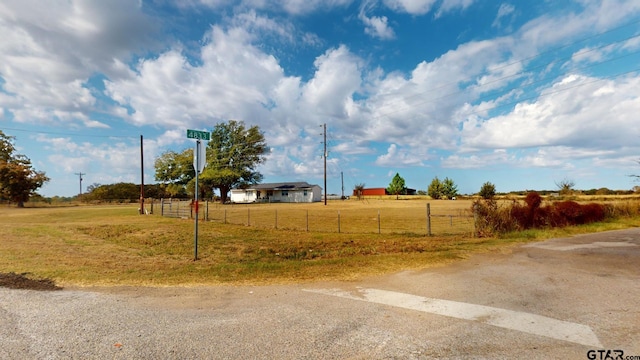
201	135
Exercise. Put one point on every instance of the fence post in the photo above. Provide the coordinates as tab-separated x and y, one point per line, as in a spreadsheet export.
276	219
378	221
206	213
162	207
429	219
338	221
248	217
225	216
475	220
307	220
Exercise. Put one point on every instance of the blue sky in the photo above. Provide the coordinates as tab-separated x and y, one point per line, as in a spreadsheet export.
523	94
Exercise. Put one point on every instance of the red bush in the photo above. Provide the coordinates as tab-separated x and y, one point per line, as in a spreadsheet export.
566	213
593	212
540	217
533	200
521	216
492	219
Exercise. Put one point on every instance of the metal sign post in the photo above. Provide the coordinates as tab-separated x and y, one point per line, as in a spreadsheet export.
195	240
199	161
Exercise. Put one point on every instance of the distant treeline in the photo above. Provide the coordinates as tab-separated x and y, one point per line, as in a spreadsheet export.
131	192
120	192
600	191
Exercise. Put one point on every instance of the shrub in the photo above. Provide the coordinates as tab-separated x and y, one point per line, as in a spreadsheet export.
487	191
533	200
593	212
566	213
520	216
435	189
492	219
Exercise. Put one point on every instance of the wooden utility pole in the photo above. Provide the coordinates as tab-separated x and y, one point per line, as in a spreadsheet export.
141	178
325	162
80	193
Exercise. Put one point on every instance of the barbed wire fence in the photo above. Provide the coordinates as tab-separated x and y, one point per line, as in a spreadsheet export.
356	221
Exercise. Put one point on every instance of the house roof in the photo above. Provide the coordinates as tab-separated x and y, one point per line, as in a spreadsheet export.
282	186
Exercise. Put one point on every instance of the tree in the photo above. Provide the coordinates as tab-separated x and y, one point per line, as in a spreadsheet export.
449	188
175	168
233	154
92	187
487	191
397	186
565	186
357	190
18	179
435	189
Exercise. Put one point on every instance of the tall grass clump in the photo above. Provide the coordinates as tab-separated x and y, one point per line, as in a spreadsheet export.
623	209
492	219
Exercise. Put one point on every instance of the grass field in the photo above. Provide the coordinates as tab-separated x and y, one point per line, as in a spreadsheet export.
113	245
368	216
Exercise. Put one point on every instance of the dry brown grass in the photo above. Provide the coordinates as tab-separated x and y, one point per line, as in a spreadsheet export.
113	245
370	216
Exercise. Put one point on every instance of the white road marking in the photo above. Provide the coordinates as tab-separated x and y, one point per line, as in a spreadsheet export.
508	319
568	247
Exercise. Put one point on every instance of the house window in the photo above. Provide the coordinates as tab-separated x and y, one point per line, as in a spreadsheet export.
248	193
285	193
305	193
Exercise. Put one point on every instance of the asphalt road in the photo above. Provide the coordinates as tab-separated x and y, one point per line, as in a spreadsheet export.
554	299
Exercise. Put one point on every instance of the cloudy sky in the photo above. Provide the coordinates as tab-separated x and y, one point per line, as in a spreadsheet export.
523	94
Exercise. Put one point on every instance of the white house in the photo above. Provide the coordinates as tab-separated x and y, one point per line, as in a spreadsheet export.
292	192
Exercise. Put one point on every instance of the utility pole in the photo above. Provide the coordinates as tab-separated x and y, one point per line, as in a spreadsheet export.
80	176
141	178
342	181
325	162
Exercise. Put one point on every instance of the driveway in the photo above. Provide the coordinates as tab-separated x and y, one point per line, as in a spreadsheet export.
554	299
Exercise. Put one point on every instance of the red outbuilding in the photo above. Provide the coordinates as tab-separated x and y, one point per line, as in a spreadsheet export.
371	191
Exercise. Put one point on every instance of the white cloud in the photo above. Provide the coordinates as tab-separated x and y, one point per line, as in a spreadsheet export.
504	10
294	7
576	111
251	22
400	157
413	7
377	26
353	147
288	163
307	6
547	30
49	52
450	5
232	82
482	160
337	78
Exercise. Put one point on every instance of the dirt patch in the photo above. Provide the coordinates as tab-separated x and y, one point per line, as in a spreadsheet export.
21	281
